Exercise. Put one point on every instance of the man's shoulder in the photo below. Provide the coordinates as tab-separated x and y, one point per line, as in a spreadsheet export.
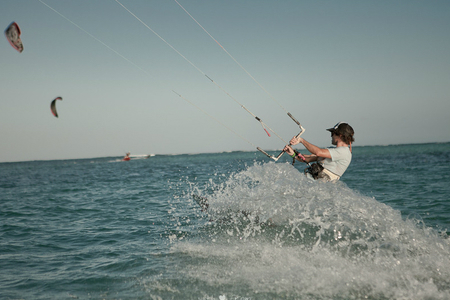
340	151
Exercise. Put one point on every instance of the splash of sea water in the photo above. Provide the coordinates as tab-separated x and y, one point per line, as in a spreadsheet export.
276	234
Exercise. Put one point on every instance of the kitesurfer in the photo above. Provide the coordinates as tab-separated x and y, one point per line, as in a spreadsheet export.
127	157
331	162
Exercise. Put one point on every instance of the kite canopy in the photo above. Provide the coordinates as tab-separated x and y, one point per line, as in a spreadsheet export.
12	33
53	106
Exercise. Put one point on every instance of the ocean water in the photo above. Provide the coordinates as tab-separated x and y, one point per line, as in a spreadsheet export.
105	229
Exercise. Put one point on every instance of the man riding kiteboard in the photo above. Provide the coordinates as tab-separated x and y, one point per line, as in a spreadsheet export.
331	162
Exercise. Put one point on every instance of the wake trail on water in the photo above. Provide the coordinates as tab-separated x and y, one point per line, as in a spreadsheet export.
269	230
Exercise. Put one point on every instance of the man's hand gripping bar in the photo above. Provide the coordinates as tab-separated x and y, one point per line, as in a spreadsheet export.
275	158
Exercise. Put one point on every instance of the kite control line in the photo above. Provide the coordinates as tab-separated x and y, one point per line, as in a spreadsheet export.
234	59
199	70
264	126
242	67
260	85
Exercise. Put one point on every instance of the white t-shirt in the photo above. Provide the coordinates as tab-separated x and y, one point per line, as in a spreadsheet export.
340	160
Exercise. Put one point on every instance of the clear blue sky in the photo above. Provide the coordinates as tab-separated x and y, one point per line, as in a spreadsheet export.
382	66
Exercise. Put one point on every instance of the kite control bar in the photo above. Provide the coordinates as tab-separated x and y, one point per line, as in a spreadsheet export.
275	158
